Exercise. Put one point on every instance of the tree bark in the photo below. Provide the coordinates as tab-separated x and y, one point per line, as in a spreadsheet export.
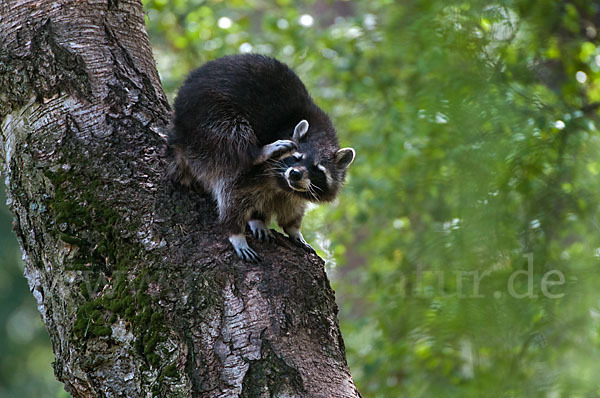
136	283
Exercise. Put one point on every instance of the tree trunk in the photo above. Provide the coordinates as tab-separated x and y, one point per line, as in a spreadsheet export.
138	286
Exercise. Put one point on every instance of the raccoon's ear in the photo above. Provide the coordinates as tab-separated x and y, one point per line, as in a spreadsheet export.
300	130
343	157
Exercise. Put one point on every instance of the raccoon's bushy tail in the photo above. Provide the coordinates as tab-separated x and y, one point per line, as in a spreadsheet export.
177	167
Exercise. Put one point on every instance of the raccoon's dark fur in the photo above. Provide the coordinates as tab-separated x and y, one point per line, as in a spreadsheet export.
247	130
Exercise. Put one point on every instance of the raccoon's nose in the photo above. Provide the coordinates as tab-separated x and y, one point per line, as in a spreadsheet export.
295	175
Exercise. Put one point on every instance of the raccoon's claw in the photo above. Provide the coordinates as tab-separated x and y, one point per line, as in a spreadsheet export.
242	249
281	147
248	255
275	150
299	241
260	230
302	243
262	234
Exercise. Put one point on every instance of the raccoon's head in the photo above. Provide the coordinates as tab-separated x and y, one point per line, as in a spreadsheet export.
316	171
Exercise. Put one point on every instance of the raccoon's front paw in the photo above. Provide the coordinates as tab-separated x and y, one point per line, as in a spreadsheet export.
298	240
275	150
279	148
242	249
260	230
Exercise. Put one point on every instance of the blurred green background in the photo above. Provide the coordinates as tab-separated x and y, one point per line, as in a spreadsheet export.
478	156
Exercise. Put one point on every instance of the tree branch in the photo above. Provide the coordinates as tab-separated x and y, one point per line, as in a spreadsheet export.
134	279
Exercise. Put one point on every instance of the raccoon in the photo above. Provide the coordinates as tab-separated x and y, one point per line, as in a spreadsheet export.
246	129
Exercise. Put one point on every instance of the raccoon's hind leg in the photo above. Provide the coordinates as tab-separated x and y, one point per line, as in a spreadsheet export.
258	227
234	214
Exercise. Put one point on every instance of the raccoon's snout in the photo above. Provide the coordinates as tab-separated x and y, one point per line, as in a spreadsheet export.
295	175
296	179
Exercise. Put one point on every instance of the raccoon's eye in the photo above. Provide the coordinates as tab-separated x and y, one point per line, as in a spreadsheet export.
293	159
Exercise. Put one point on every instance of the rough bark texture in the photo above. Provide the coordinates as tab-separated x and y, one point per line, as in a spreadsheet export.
136	283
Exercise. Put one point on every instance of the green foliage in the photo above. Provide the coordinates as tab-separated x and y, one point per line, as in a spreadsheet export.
475	129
